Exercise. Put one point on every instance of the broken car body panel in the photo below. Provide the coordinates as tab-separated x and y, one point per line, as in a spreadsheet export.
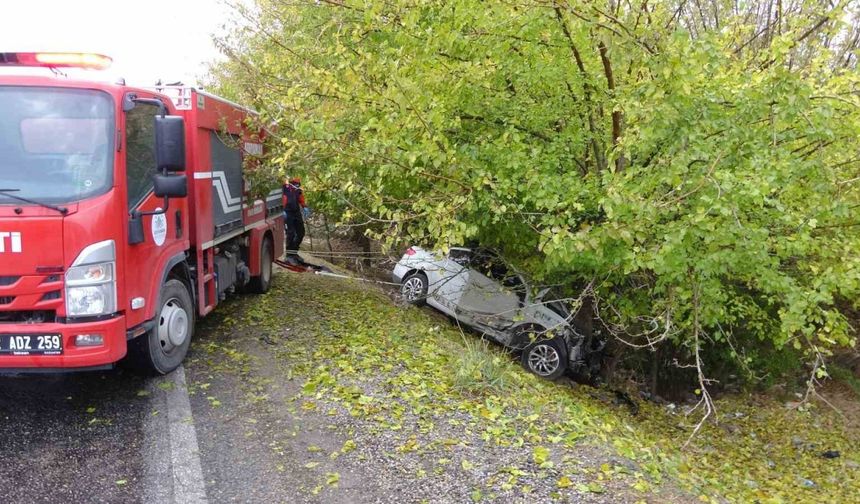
499	307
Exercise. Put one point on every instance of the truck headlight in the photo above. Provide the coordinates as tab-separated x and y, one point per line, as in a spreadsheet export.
91	288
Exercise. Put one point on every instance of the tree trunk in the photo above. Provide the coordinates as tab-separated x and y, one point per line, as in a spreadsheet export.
655	372
364	242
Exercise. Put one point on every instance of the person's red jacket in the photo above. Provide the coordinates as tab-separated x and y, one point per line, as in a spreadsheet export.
293	189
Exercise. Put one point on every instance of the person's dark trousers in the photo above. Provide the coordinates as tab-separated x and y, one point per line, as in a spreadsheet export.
295	231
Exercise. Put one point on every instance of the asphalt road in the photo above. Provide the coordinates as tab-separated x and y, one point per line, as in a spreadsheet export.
118	437
98	437
72	437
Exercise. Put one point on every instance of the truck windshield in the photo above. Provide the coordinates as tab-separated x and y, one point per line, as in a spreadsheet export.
56	144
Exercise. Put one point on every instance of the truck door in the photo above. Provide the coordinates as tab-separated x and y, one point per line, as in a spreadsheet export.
165	233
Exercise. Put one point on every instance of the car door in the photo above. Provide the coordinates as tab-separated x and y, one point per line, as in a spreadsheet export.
448	281
486	301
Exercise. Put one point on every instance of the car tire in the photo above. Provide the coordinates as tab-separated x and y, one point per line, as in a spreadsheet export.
546	358
413	288
261	284
163	348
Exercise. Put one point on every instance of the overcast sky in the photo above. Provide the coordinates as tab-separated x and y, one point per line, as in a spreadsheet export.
148	40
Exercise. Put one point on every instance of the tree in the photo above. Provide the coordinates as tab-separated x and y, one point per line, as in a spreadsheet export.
691	166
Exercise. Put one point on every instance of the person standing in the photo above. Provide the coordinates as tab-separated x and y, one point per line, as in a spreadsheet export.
295	210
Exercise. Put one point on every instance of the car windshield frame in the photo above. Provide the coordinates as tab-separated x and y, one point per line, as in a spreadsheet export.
45	167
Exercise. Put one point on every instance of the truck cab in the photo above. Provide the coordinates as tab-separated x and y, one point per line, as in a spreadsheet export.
123	218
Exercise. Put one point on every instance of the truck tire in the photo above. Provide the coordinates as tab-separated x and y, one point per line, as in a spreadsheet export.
162	349
546	358
260	284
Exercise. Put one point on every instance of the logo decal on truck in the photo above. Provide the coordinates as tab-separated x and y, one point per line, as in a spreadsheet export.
10	241
159	228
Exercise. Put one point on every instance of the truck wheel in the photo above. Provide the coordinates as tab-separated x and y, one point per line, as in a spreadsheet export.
546	358
162	349
260	284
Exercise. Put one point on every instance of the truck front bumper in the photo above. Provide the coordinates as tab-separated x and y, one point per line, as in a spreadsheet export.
73	357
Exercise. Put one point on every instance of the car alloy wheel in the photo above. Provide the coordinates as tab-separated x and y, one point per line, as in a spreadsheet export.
413	288
544	359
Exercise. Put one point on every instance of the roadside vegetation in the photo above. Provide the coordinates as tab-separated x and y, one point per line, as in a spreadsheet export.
687	171
404	385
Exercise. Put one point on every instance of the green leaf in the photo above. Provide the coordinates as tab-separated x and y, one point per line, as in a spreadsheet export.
595	487
332	479
540	455
348	446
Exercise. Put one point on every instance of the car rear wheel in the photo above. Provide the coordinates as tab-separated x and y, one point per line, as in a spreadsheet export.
414	288
546	358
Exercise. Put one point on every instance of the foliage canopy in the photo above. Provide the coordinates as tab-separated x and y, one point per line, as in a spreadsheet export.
692	166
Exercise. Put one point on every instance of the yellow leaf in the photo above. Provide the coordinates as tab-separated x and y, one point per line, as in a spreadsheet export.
540	454
332	478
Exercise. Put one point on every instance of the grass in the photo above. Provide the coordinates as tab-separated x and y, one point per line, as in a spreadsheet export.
479	369
344	337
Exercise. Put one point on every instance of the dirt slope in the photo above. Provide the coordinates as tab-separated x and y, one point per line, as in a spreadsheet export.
336	394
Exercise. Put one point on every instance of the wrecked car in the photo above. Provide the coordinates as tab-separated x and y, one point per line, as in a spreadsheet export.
478	290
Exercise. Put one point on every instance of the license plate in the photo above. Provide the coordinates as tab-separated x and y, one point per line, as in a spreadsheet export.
31	344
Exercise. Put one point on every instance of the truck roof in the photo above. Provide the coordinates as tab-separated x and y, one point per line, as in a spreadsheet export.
58	81
180	96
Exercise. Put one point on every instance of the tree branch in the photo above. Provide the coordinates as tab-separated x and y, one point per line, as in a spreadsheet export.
598	151
616	114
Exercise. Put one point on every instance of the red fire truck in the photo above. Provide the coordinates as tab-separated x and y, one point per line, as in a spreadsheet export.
123	217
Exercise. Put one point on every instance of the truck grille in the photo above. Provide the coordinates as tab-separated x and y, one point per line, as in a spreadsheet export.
51	295
30	299
28	317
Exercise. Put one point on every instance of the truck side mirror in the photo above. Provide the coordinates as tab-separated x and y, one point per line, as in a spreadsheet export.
166	186
170	143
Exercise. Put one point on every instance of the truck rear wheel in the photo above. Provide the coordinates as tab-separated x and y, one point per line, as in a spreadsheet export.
162	349
260	284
